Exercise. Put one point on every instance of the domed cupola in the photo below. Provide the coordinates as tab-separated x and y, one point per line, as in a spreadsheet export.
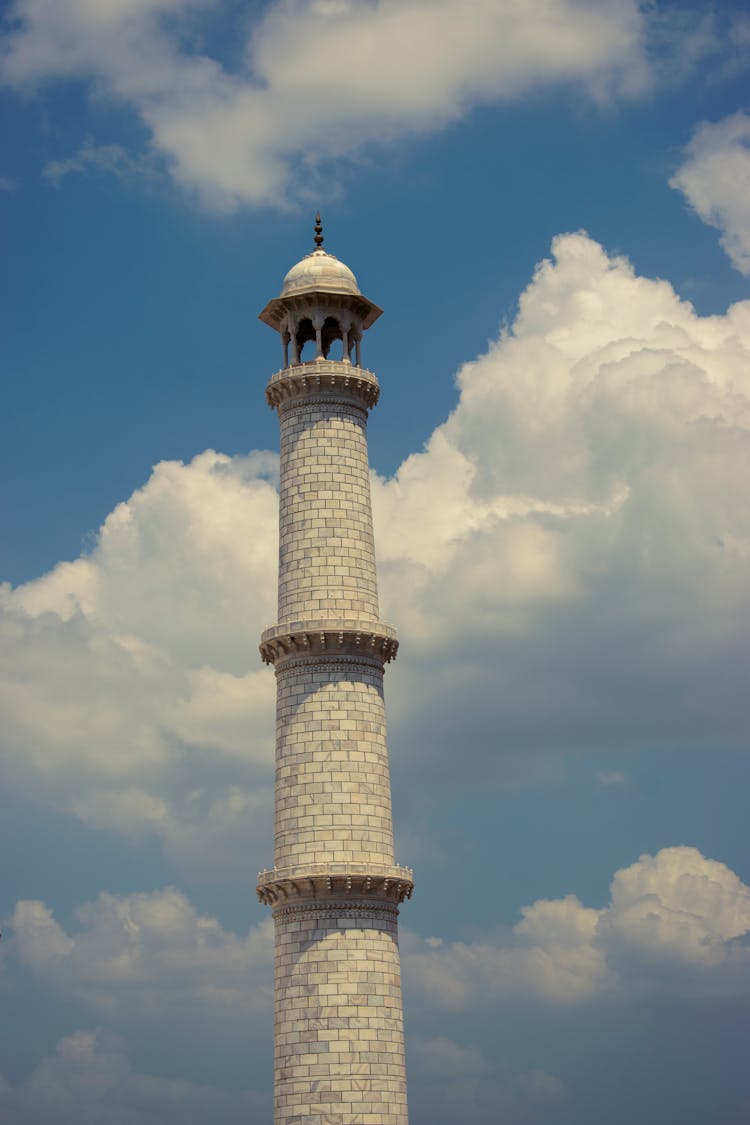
320	304
319	272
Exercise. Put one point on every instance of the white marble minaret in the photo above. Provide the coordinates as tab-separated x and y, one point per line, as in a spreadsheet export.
334	887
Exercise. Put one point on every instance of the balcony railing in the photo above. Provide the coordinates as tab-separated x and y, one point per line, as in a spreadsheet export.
332	868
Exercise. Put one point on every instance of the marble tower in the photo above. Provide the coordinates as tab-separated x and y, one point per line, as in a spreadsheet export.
334	888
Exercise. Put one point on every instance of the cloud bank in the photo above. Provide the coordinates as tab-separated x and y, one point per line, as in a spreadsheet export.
131	690
89	1079
566	561
445	1078
150	958
676	924
400	68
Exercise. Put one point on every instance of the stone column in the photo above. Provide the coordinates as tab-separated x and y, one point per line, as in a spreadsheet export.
334	887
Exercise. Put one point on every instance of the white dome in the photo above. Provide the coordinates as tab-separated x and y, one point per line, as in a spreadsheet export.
319	272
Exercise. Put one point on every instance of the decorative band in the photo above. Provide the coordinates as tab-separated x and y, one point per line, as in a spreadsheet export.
349	403
335	663
383	911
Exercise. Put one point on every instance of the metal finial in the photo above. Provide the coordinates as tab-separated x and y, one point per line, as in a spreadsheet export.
318	231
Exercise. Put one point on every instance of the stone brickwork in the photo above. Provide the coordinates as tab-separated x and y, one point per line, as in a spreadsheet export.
326	547
339	1024
333	796
334	887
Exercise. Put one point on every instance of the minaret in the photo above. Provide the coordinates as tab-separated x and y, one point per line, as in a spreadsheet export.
334	887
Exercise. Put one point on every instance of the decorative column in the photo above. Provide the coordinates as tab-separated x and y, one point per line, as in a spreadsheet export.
334	888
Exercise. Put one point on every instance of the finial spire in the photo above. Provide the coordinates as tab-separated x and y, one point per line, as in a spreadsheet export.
318	232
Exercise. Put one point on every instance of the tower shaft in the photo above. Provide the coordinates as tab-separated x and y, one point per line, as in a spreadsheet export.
334	888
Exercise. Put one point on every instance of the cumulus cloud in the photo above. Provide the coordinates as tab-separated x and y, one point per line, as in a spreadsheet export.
567	558
676	922
681	909
89	1079
149	958
566	561
677	925
400	68
131	687
553	958
715	179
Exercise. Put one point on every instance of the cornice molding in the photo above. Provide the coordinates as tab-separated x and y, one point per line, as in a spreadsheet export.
367	640
319	882
318	299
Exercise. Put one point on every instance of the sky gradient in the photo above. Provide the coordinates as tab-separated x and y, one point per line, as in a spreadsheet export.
551	202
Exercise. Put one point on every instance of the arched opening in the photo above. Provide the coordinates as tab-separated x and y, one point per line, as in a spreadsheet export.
304	334
332	339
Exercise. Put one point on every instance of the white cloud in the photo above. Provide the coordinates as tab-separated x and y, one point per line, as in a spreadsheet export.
715	180
131	687
399	68
675	922
553	958
567	559
89	1080
677	908
566	562
150	958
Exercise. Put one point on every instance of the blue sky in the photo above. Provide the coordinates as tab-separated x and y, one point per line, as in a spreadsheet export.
550	202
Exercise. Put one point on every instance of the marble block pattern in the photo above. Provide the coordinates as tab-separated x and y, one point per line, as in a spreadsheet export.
333	795
339	1024
334	887
326	549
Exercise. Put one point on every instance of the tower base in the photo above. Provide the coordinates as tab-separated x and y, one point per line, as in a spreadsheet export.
339	1037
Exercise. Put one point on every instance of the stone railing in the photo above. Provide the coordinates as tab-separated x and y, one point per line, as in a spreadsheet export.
323	375
330	867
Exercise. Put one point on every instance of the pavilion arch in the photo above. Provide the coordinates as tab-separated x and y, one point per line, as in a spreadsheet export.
305	332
